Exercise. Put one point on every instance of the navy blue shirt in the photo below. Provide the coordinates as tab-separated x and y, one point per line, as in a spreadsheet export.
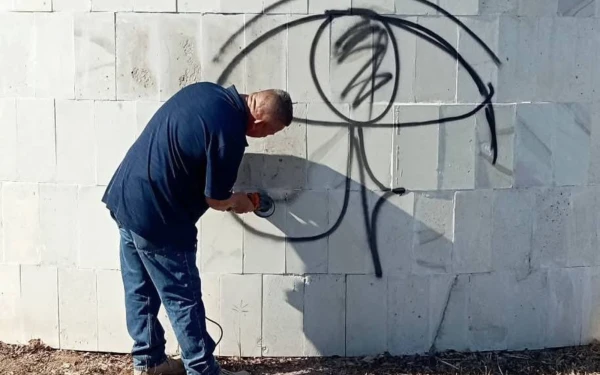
191	149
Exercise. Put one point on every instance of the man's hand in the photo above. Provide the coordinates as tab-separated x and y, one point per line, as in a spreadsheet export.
241	204
238	203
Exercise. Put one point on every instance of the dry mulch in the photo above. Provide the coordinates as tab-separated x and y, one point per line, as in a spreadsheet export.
37	359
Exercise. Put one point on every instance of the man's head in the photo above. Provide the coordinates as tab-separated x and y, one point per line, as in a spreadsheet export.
270	112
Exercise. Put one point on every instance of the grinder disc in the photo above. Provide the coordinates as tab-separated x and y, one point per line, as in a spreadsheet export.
267	207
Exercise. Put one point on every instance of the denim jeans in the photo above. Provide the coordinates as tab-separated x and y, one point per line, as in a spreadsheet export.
151	275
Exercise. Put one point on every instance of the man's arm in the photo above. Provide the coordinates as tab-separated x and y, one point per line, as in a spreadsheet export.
221	173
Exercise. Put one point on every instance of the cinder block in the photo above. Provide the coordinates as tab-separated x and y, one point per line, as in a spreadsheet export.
36	159
20	214
242	6
112	5
39	302
54	64
583	228
241	315
144	111
500	175
544	8
10	280
488	326
211	297
405	72
283	309
550	227
322	6
32	5
327	148
325	315
576	8
534	137
264	243
17	77
374	147
221	241
155	5
518	50
71	5
137	68
366	315
112	327
393	231
290	7
6	5
306	216
139	73
512	230
8	139
180	45
456	164
218	51
566	60
1	228
98	235
95	56
111	118
380	6
433	233
301	85
472	231
449	319
58	222
351	49
11	321
571	151
75	157
198	6
498	7
487	29
411	7
408	315
272	73
590	327
292	140
435	76
565	309
594	168
527	311
78	309
460	8
349	248
416	143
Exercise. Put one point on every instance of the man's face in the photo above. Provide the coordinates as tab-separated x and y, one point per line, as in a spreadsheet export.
264	128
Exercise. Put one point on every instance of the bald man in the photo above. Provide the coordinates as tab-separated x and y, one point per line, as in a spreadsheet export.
184	162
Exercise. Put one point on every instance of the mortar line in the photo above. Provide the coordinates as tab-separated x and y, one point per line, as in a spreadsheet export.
55	141
115	31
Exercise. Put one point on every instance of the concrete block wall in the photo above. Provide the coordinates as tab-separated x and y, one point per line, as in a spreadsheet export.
475	256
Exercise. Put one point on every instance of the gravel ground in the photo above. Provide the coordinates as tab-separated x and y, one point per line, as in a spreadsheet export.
37	359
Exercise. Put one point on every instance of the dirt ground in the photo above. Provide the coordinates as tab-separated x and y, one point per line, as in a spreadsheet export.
36	359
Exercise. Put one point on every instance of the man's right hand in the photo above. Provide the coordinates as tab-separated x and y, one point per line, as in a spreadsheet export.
238	203
241	203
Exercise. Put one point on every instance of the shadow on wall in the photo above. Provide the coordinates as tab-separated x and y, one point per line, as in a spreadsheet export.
341	307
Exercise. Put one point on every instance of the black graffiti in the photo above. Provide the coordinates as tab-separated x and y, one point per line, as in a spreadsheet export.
374	32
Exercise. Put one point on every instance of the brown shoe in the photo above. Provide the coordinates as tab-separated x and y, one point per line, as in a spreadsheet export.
169	367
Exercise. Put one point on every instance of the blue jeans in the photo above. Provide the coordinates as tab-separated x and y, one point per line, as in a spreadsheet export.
151	275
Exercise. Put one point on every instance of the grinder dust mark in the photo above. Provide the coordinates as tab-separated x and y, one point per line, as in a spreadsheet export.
141	74
191	73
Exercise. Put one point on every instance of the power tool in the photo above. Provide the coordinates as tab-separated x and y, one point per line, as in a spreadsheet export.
264	205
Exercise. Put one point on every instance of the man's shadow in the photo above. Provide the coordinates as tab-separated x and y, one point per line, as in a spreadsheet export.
332	236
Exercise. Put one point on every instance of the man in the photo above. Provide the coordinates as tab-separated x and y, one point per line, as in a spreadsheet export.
184	162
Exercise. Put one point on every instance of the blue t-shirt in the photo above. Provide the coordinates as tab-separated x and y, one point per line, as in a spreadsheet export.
191	149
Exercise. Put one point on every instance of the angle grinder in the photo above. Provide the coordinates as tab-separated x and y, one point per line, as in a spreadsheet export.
264	205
